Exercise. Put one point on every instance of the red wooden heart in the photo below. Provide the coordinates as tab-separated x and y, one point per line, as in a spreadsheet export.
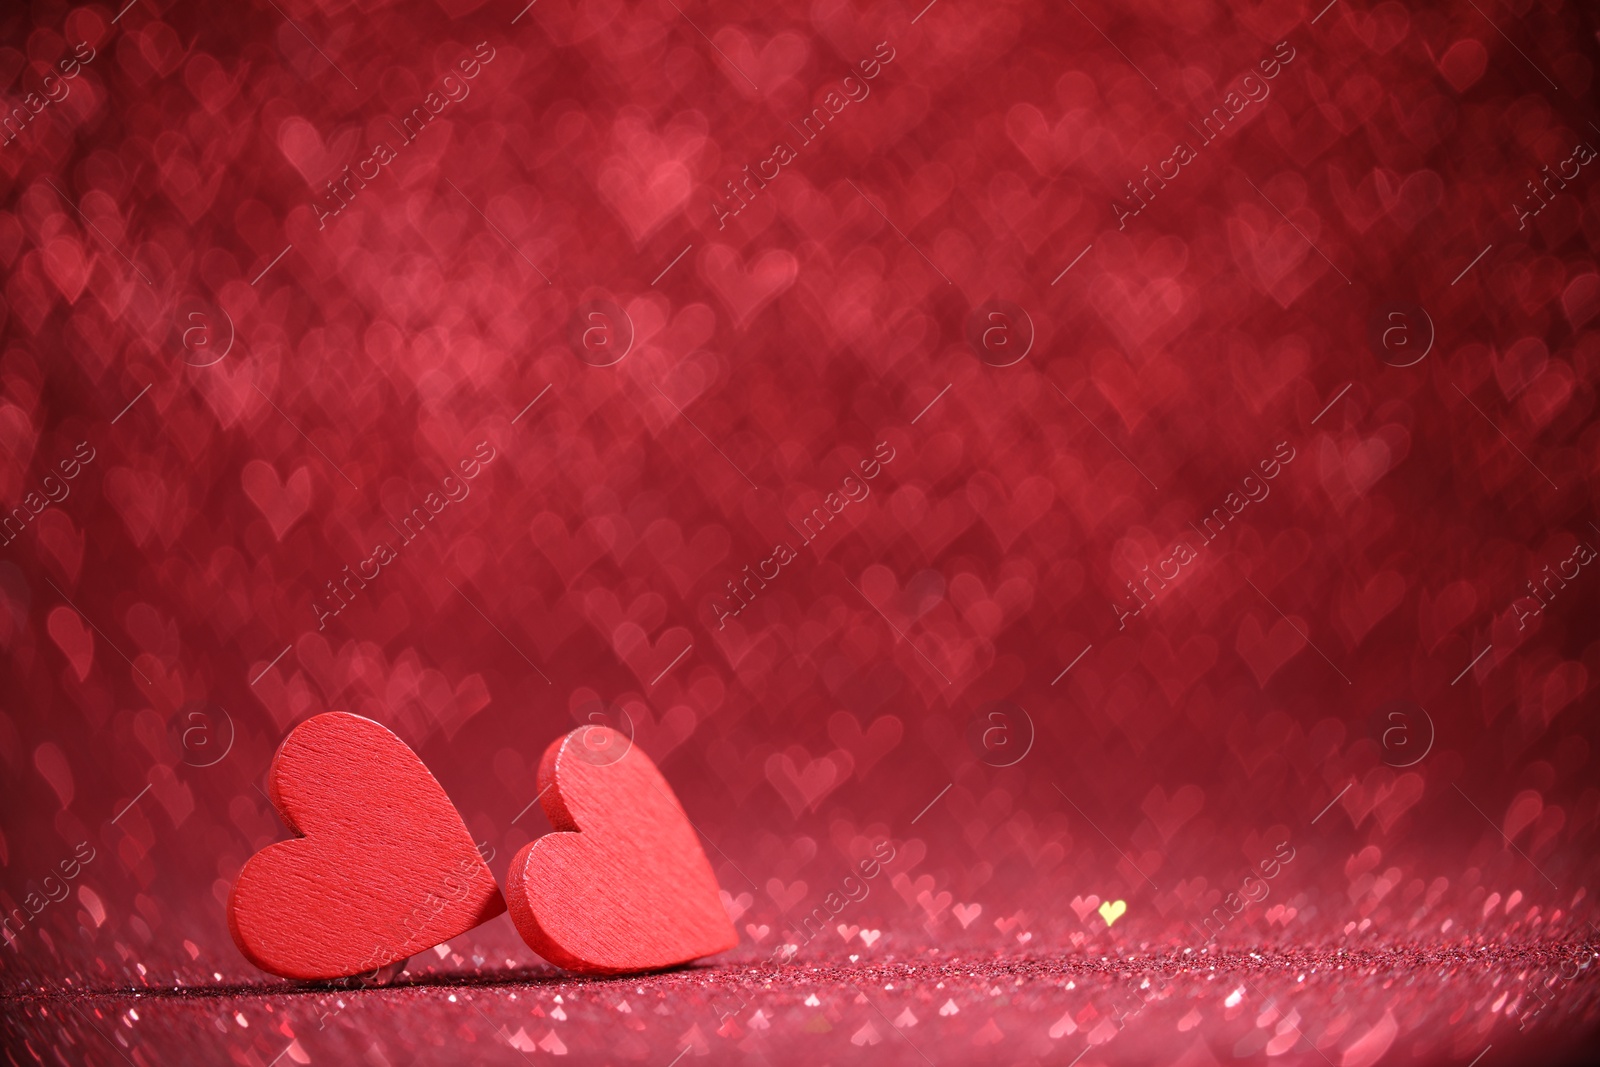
382	866
627	887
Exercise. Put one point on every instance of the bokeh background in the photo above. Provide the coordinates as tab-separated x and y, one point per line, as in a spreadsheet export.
1370	271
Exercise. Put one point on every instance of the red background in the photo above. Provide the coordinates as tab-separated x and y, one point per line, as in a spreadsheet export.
1232	313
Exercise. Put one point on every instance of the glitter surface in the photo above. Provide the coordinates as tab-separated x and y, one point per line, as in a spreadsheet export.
1171	1005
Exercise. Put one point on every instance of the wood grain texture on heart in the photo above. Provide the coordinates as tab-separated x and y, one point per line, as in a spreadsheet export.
623	885
382	867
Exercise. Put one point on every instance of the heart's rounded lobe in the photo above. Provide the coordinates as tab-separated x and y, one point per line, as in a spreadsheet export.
382	867
624	885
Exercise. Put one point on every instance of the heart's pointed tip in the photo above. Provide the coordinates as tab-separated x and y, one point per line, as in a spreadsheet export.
731	943
729	934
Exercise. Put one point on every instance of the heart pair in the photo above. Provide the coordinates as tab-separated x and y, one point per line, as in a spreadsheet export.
382	866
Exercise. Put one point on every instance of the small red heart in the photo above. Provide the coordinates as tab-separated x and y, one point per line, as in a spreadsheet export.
382	867
283	503
626	887
73	638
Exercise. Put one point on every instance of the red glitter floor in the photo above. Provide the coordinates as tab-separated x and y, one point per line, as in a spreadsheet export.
1487	1004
